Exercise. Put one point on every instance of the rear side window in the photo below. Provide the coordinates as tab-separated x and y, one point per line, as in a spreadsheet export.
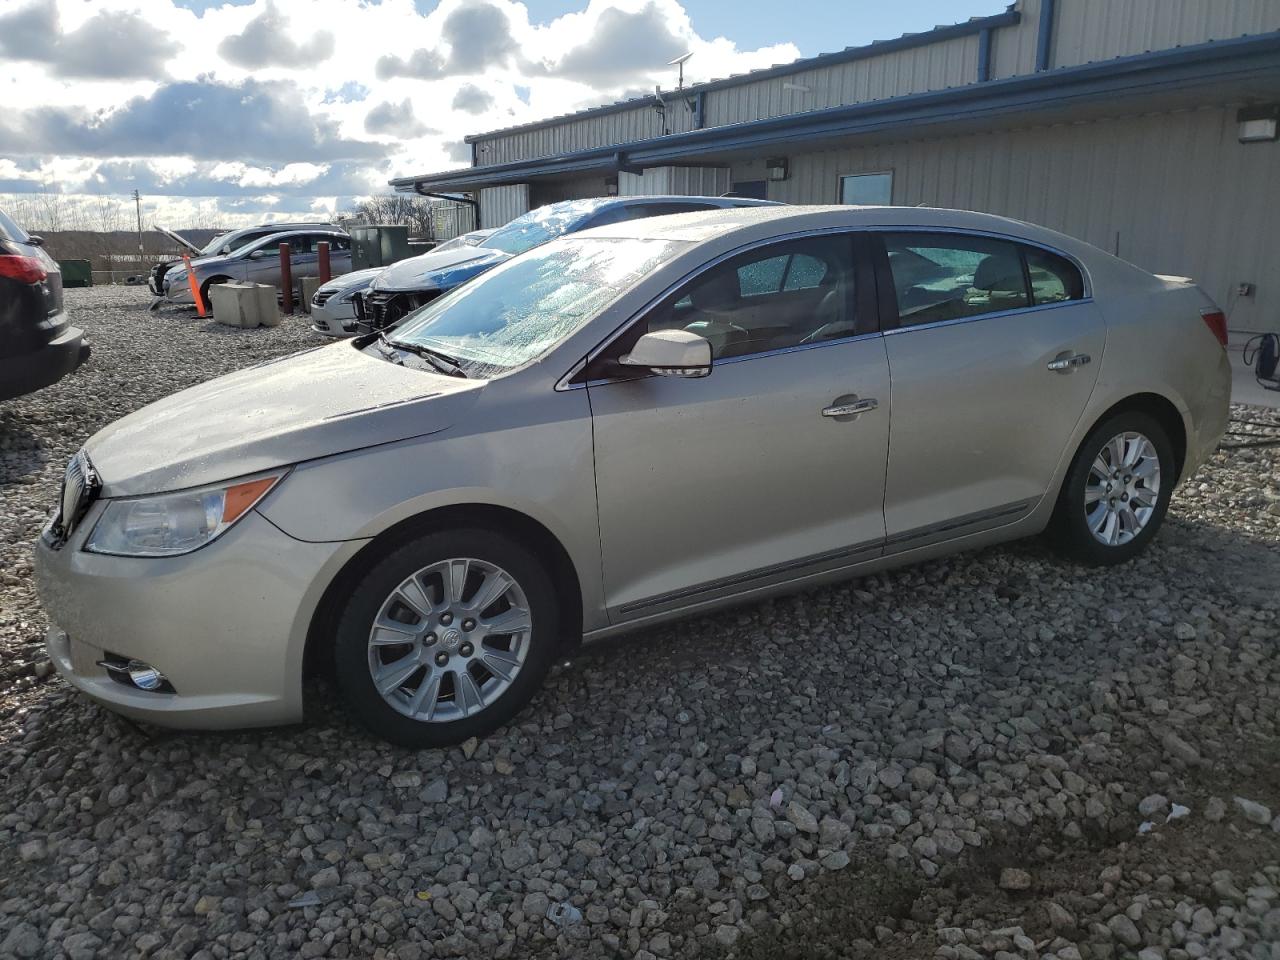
1053	278
940	276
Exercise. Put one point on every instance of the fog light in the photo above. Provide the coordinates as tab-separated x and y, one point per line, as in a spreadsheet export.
136	673
145	677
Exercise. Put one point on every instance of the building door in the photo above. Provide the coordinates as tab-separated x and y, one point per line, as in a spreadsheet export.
749	476
983	397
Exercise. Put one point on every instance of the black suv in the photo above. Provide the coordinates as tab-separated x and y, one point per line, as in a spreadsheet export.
37	345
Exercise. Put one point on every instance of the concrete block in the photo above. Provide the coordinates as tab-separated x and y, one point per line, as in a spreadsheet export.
308	287
245	305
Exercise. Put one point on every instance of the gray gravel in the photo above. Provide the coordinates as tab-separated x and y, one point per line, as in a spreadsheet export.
952	760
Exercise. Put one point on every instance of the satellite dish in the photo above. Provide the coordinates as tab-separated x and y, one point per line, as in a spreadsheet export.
679	62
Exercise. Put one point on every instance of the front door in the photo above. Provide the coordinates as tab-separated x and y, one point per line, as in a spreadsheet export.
993	360
763	471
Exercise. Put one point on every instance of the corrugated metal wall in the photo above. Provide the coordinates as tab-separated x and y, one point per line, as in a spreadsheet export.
552	191
680	181
1174	193
1085	31
498	205
1088	30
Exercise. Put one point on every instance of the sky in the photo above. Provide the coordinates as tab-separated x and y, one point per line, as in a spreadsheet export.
229	112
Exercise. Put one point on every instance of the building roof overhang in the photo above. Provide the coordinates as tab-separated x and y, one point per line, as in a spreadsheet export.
1244	69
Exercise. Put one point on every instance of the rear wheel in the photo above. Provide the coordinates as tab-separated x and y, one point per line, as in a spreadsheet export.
446	638
1116	491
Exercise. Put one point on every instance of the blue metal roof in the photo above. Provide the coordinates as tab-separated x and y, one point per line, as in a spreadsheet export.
1162	72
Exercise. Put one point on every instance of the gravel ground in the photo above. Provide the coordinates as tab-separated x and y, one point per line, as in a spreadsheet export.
955	760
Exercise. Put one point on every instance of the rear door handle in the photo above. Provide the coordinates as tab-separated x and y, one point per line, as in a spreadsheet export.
850	408
1067	364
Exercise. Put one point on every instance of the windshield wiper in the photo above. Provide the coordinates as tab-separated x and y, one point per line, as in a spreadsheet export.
441	361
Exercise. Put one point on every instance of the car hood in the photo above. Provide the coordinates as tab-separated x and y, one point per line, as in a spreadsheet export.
179	238
359	278
313	404
440	270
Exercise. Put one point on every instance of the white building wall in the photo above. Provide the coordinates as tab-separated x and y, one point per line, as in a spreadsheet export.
1174	193
500	205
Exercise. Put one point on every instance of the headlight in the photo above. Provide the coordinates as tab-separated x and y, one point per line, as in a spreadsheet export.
170	524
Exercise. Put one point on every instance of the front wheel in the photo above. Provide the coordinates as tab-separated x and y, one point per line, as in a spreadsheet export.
1116	491
446	638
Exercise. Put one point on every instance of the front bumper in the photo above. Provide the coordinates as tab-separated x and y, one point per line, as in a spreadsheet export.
226	624
334	318
29	372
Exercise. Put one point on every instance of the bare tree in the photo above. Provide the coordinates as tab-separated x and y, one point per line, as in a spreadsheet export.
417	213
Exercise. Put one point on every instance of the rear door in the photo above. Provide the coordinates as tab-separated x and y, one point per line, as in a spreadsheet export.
751	476
993	356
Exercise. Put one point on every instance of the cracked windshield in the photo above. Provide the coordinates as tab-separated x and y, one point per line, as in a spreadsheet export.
522	309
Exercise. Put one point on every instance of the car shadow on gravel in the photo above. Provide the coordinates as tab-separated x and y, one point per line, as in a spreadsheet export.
22	451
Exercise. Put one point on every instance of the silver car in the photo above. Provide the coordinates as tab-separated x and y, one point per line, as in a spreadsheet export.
619	427
259	262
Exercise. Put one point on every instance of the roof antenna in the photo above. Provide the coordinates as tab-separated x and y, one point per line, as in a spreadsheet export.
679	62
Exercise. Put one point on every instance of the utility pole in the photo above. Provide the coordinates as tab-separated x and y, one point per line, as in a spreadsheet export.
137	202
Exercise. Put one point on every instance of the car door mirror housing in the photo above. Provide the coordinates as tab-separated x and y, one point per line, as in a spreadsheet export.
671	353
259	254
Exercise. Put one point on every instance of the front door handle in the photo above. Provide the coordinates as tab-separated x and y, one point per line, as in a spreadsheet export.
1069	363
849	407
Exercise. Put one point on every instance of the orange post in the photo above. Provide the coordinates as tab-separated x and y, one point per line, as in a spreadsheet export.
322	248
286	279
195	287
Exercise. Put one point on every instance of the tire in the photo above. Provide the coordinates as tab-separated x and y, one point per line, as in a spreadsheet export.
452	639
1126	532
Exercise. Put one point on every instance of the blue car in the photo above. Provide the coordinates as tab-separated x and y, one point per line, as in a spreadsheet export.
409	284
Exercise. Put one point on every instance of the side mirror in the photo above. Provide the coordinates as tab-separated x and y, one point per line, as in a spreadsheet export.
259	254
671	353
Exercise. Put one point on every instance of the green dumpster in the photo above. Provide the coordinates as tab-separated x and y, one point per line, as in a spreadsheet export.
76	273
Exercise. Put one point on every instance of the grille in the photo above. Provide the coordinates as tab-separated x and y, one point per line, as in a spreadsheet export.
386	309
321	297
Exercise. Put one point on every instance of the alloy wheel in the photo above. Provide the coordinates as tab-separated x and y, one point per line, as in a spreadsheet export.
449	640
1122	488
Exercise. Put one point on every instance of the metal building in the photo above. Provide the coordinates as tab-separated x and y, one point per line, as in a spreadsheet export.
1147	127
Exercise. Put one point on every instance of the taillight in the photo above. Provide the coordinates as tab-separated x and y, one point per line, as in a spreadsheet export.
22	269
1216	321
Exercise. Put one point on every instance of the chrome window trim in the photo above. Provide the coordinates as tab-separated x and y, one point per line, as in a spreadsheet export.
955	321
563	383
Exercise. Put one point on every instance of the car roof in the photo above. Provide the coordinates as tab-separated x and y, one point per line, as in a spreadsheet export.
765	222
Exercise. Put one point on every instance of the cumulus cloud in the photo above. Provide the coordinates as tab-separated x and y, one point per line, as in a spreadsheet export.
267	41
623	44
457	151
247	121
30	32
471	99
107	46
397	119
479	36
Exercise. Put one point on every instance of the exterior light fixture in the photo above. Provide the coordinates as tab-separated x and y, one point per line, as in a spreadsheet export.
1259	124
776	168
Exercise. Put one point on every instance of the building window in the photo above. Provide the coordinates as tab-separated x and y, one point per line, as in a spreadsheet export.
869	189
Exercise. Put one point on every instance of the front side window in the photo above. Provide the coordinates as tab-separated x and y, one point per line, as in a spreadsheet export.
518	311
942	276
781	295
